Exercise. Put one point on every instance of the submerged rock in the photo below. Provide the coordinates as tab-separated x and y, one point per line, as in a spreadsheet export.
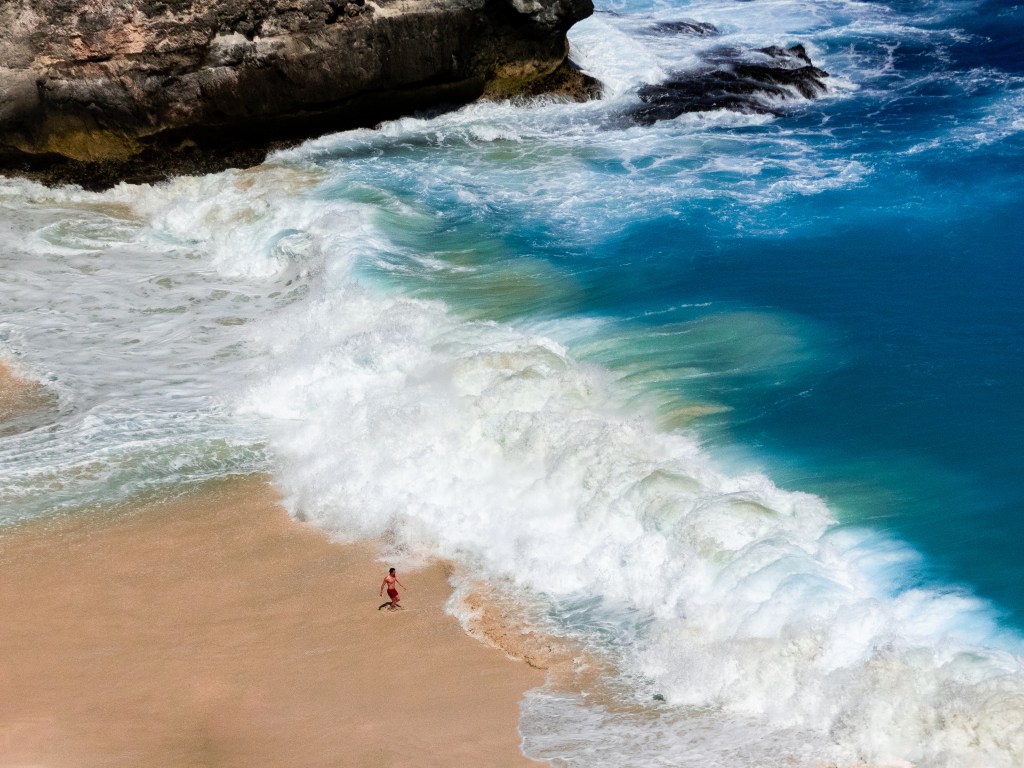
755	81
693	28
100	90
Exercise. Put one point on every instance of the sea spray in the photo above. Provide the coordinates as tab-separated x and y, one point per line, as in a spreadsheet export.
135	338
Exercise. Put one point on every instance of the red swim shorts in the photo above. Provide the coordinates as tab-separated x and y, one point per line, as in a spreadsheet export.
392	593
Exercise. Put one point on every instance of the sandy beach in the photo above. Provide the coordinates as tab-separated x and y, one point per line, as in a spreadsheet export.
216	631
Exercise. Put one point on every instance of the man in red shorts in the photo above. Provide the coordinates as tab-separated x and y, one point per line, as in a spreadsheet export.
390	581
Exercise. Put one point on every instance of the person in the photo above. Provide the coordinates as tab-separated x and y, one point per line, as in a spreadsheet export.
390	581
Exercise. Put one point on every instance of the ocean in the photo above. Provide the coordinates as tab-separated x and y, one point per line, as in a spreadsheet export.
733	400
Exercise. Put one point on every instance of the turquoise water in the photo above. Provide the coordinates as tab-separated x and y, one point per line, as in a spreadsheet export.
908	413
732	400
882	227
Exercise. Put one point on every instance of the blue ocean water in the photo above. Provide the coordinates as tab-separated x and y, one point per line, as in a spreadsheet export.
732	401
906	409
910	416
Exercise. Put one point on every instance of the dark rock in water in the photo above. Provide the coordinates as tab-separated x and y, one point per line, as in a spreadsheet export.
96	91
754	82
568	81
694	28
794	51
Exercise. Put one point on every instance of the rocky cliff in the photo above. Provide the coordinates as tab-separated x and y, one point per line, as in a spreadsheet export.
95	90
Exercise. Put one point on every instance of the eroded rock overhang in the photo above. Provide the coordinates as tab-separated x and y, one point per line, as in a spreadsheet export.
97	90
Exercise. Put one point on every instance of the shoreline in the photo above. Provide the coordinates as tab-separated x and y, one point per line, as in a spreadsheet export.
215	630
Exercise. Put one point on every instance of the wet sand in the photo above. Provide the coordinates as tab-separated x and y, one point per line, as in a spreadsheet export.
215	631
18	396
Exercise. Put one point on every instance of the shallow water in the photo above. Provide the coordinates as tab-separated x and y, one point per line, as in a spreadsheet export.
732	398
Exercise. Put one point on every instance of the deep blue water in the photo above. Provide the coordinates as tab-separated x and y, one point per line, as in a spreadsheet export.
902	403
912	415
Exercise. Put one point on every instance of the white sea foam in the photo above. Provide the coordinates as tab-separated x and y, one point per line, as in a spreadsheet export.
137	339
997	119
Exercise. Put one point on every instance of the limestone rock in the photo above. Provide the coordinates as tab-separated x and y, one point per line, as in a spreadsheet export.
109	83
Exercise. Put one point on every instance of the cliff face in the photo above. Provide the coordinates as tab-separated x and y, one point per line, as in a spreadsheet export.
113	81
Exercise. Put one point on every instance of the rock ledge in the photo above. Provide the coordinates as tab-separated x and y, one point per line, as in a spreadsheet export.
97	91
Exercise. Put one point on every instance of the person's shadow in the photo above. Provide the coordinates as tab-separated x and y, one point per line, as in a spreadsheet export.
382	606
